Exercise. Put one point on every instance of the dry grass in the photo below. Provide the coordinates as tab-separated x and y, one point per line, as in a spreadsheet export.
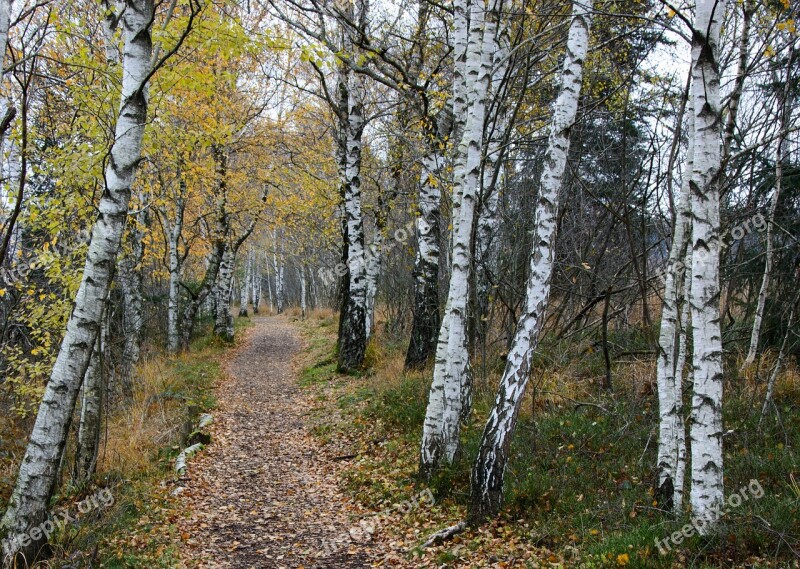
149	422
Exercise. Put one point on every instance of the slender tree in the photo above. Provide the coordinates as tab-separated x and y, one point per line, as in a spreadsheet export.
39	468
486	493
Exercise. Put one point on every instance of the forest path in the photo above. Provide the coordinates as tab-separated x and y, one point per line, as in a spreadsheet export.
261	495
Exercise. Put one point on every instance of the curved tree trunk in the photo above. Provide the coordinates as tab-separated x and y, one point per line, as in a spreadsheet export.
784	113
39	469
486	495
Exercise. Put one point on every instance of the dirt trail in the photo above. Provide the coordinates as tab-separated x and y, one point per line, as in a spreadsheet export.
261	495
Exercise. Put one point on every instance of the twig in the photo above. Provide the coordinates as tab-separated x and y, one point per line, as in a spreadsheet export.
445	534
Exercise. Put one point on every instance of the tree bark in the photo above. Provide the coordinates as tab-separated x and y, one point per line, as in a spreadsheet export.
39	468
91	412
223	321
174	232
426	318
671	430
706	428
450	395
352	331
244	288
131	279
486	494
784	114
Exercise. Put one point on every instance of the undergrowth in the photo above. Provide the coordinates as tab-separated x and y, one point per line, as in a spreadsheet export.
579	486
135	465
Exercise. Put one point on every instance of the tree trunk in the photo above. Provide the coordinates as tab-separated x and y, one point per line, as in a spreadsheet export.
489	214
426	318
487	474
780	156
277	261
174	232
131	279
255	281
352	331
671	430
91	412
303	302
706	427
223	321
39	468
244	288
451	390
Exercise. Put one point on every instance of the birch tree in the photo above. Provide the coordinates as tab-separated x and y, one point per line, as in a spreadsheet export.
352	329
173	225
706	426
486	492
669	367
89	428
450	395
131	280
781	152
39	469
244	287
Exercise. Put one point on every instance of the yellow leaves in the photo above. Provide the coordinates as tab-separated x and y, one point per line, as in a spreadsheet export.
787	26
769	51
623	559
670	13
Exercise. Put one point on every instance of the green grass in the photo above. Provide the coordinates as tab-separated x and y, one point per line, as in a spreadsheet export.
581	477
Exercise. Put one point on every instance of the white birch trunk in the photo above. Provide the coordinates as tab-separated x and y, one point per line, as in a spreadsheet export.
489	469
769	255
489	214
303	296
426	322
244	288
706	426
255	282
223	322
131	279
174	232
268	278
91	412
672	434
461	43
39	468
450	393
352	332
372	274
277	261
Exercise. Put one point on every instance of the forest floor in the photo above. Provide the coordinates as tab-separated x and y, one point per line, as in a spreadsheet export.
264	493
